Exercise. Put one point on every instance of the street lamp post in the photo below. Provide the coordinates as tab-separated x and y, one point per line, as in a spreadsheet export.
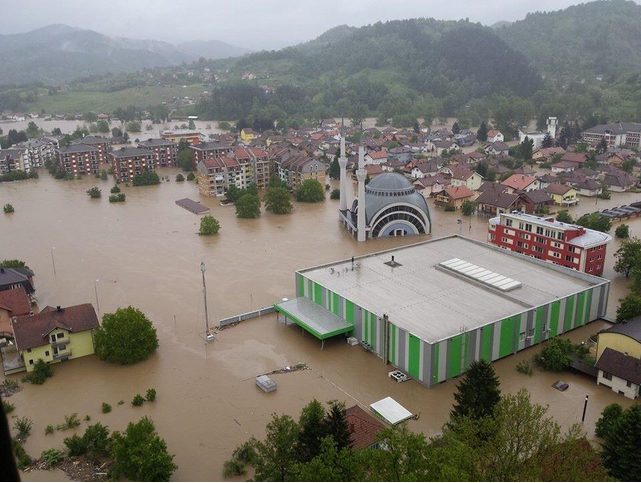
208	336
53	261
95	288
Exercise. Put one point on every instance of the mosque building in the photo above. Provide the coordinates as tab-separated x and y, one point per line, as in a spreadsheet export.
387	206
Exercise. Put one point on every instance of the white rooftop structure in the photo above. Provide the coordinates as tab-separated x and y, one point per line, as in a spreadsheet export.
391	411
423	280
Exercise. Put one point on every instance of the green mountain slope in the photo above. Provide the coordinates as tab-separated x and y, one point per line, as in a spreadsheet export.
583	41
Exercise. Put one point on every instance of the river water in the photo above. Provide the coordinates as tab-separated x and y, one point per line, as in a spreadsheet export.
146	253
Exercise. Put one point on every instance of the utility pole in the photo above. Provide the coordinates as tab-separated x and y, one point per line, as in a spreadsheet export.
208	336
585	408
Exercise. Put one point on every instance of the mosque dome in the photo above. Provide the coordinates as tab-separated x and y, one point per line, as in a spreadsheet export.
394	207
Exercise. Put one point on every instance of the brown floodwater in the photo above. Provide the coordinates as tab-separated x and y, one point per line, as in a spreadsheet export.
146	253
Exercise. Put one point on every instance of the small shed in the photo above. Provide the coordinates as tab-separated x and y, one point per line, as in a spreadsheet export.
391	411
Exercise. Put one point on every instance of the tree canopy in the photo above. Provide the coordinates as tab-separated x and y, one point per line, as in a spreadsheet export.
125	337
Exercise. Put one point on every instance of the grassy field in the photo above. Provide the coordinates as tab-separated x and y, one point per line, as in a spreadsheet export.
88	100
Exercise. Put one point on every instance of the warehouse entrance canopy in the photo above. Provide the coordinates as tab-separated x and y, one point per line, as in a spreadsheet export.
313	318
390	411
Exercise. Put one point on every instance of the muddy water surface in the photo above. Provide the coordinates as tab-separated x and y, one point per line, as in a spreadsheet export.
145	253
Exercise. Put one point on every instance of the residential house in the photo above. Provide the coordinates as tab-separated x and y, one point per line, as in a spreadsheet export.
97	142
454	196
496	200
620	181
588	187
495	136
364	429
373	170
164	151
562	195
55	334
19	277
247	134
442	145
544	154
129	162
535	201
620	372
13	303
430	185
496	148
462	176
376	157
424	169
564	167
400	153
519	183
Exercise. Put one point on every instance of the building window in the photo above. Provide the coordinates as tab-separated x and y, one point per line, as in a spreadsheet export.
29	351
47	353
629	384
522	336
607	375
31	362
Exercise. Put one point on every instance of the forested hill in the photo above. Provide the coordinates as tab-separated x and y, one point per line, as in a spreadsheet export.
385	67
583	41
439	57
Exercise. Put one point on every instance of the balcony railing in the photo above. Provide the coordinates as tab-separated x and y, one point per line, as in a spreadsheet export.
58	342
61	354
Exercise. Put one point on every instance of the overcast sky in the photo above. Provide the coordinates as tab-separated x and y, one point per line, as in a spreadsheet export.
255	24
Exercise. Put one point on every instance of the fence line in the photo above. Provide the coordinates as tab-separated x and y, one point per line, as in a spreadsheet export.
247	315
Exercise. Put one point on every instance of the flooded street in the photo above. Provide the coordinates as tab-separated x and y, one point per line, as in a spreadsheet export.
146	253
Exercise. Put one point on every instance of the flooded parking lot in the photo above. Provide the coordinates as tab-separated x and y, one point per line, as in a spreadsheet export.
145	253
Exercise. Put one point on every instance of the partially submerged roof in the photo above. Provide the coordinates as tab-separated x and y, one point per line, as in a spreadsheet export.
391	411
313	318
433	304
363	427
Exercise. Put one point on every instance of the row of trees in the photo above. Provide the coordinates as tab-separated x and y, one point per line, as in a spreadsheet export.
628	263
489	437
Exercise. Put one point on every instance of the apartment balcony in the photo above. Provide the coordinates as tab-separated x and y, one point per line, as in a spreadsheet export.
58	342
61	354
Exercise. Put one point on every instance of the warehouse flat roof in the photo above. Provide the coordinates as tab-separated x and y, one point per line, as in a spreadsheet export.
434	303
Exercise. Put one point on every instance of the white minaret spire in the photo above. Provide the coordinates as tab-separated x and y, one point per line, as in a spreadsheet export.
342	162
361	175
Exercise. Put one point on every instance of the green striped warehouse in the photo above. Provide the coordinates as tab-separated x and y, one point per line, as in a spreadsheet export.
432	308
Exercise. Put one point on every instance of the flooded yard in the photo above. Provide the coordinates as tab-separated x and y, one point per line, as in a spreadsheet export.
146	253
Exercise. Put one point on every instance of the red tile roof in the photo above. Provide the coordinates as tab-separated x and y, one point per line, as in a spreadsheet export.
33	331
459	192
363	427
518	181
15	301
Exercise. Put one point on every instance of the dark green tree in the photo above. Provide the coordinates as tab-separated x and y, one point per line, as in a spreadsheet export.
140	454
556	354
547	141
276	455
334	169
277	200
481	134
209	226
125	337
622	231
622	446
310	191
335	424
311	431
564	217
455	128
595	221
628	256
233	193
629	308
609	417
248	206
94	192
478	392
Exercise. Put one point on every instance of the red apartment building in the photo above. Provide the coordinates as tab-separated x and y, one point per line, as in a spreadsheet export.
128	162
567	245
163	150
79	159
97	142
